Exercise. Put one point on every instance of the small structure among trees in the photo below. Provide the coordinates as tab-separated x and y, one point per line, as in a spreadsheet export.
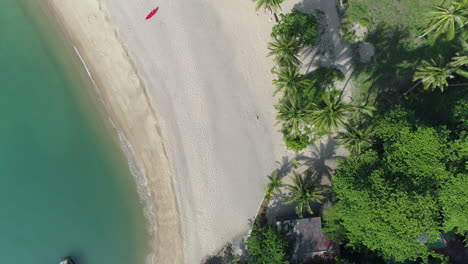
310	243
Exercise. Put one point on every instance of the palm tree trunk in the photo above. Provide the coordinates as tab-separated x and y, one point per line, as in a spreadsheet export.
458	84
276	18
414	86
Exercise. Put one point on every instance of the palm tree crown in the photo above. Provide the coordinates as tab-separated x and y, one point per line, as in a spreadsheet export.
355	138
285	50
433	75
295	115
361	110
273	185
272	5
290	81
448	19
330	113
303	192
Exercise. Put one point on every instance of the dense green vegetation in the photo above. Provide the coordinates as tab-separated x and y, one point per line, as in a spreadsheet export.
266	246
412	181
406	178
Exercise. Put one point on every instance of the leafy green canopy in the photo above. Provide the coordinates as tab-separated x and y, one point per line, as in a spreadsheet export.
266	245
389	197
299	25
453	197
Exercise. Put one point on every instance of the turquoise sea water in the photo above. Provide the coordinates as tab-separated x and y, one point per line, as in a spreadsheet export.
65	188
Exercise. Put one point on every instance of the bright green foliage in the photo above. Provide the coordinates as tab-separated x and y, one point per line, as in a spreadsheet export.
361	110
296	143
389	197
447	20
460	113
272	5
266	245
304	191
355	138
389	126
285	50
301	26
372	210
454	200
433	75
273	185
417	157
295	116
330	113
289	81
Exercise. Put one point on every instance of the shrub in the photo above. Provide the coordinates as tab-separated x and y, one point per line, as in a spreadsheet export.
296	143
266	245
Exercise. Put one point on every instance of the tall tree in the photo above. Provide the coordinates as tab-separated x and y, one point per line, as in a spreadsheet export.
447	20
387	198
290	81
355	137
304	191
286	50
295	115
274	185
433	75
272	5
330	113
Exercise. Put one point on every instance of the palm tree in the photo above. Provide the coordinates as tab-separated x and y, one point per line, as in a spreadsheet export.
361	110
448	19
331	112
433	75
290	81
273	185
295	115
285	50
355	138
303	192
272	5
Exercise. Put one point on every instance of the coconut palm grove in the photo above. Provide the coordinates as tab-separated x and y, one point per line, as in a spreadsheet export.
401	116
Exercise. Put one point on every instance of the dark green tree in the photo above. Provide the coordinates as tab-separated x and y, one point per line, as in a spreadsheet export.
272	5
447	20
266	245
295	116
330	113
289	81
285	51
355	137
454	200
304	190
387	198
298	25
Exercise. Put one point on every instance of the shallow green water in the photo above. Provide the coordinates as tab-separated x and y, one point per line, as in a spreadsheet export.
64	186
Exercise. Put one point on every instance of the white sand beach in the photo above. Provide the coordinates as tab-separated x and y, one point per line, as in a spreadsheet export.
190	90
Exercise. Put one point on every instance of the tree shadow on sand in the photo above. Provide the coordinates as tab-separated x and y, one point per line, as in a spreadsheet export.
321	155
330	50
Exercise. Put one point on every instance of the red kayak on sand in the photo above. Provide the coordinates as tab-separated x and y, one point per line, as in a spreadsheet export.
152	13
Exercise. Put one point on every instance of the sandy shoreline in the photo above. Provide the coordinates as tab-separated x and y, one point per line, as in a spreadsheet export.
126	102
190	91
210	83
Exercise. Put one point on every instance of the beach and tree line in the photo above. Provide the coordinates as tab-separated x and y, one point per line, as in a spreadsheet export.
405	179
